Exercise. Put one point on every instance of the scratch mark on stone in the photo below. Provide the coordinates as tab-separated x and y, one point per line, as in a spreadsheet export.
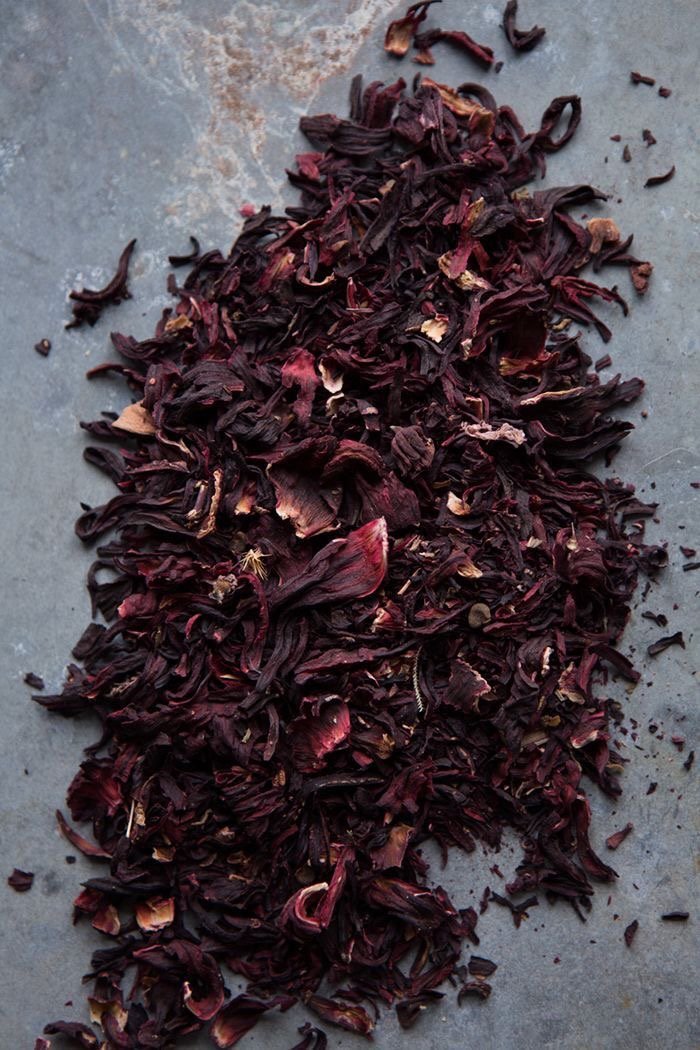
680	451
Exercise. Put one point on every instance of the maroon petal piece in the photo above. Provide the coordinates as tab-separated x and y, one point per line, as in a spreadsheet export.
352	1018
344	569
78	1034
401	32
21	881
239	1016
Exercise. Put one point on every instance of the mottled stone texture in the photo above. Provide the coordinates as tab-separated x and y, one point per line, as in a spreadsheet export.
158	118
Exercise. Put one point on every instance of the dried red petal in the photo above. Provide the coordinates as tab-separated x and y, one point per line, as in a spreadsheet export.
155	913
352	1018
239	1016
349	568
401	32
80	843
315	735
615	840
299	370
20	881
78	1033
88	303
630	932
519	39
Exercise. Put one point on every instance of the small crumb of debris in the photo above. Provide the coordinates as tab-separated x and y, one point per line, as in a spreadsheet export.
21	881
478	615
616	839
43	347
630	932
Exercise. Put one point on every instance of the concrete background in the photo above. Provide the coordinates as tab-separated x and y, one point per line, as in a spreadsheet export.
159	118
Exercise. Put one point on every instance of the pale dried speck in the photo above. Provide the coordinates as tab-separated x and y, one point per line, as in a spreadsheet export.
130	822
252	561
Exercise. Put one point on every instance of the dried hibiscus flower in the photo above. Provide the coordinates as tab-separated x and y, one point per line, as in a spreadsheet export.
400	33
21	881
519	39
359	585
88	303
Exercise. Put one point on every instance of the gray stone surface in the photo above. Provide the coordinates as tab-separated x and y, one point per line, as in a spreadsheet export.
157	118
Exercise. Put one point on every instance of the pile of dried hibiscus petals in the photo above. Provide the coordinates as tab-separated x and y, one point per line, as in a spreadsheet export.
360	589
